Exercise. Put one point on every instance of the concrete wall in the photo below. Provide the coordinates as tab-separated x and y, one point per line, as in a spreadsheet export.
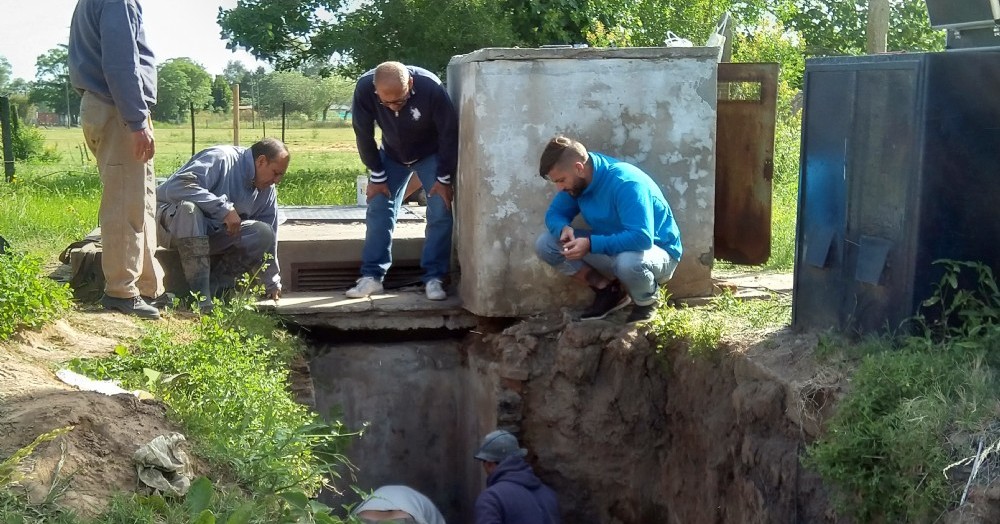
654	107
425	415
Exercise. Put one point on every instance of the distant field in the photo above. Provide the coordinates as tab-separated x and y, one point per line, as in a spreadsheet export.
312	148
53	204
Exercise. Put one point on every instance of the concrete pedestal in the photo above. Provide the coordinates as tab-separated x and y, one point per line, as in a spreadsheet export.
653	107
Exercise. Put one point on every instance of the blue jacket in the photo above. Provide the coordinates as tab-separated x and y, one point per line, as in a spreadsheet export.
514	495
623	206
426	125
108	57
218	180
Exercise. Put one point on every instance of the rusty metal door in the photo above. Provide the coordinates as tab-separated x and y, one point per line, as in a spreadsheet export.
744	164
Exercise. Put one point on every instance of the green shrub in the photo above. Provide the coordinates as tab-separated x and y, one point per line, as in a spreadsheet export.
27	298
29	143
228	385
915	406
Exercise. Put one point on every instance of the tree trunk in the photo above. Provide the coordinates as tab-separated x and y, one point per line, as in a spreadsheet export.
878	26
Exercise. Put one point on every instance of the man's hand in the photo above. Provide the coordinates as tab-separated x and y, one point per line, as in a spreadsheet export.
232	222
566	235
577	248
274	294
445	191
377	189
143	145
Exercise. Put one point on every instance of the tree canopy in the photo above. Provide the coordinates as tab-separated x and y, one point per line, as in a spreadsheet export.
428	32
5	74
51	87
838	27
181	82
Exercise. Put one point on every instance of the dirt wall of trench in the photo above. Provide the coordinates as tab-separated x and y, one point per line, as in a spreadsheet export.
626	434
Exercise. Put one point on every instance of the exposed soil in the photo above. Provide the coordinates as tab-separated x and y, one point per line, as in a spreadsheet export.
623	432
94	459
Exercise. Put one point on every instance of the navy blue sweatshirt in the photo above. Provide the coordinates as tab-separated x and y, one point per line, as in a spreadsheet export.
514	495
108	57
426	125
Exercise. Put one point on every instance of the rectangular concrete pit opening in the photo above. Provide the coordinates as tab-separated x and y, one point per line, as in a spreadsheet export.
425	413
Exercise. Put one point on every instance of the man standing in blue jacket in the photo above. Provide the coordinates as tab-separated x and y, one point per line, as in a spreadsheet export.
224	202
419	136
513	494
633	245
115	72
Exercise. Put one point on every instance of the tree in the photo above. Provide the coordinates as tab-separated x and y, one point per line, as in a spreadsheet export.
5	74
51	87
180	83
877	32
235	72
222	94
291	88
421	32
838	27
334	90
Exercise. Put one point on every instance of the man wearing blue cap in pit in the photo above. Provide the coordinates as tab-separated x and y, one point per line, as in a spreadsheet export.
513	495
398	505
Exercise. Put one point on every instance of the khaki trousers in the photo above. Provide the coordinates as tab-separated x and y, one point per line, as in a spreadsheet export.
128	204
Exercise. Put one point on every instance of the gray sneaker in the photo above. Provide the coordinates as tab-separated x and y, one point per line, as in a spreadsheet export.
131	306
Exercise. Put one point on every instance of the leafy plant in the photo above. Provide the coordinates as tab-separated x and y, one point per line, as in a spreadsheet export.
27	299
229	387
702	329
915	406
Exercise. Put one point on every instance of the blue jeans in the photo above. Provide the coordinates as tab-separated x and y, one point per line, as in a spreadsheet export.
376	257
641	272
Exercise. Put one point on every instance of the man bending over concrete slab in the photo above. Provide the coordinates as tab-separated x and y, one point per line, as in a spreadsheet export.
634	244
223	201
419	137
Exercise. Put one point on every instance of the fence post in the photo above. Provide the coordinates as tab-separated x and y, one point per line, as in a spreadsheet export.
236	114
282	121
192	128
8	139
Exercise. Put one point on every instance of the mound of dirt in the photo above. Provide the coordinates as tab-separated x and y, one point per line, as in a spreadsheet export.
86	465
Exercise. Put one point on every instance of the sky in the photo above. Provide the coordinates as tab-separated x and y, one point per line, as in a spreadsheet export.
174	28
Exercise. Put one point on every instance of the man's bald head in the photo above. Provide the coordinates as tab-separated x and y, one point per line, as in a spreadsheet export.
391	75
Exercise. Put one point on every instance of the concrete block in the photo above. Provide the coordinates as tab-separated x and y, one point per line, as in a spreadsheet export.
653	107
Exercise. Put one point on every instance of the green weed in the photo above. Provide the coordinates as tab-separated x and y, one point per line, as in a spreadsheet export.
27	300
703	328
915	405
228	385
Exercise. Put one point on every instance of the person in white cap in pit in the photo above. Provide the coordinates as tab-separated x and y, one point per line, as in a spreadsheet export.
513	494
398	505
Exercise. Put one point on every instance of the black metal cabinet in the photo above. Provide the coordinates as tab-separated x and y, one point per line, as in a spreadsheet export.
900	167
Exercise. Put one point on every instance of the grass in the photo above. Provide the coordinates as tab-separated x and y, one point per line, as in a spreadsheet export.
51	205
916	407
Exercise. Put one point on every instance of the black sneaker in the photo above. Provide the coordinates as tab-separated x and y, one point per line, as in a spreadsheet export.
606	301
131	306
640	314
163	301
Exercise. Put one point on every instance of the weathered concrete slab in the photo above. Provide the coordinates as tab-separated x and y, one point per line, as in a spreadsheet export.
331	252
342	214
396	311
653	107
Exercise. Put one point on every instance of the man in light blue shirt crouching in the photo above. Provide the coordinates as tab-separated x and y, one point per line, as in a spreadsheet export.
633	245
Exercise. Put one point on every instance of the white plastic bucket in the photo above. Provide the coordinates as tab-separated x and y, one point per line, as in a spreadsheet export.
362	190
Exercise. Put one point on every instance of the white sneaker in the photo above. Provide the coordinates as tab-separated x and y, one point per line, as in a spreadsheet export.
435	290
366	286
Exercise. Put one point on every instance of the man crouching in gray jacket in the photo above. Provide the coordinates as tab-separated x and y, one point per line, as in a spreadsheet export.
223	202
